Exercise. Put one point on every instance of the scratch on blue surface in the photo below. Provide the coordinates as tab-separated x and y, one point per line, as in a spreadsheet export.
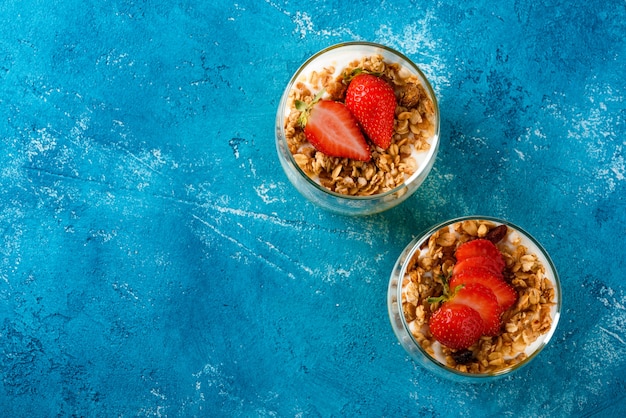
614	335
245	248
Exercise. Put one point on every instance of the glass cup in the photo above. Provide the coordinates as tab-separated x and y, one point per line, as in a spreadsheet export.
312	189
434	361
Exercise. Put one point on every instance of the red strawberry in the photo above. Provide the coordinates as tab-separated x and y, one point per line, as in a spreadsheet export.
486	263
480	248
483	300
330	128
373	102
505	293
456	326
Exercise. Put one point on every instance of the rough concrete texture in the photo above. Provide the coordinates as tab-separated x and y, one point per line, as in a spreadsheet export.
155	261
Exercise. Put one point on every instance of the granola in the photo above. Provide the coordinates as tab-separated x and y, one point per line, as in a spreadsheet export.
414	126
523	323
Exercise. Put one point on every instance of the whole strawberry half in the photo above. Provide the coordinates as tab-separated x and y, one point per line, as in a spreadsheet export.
332	129
373	102
456	326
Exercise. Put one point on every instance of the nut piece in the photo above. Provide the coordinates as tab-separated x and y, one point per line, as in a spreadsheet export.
409	95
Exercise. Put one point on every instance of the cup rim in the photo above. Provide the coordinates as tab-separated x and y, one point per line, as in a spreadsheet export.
432	152
477	377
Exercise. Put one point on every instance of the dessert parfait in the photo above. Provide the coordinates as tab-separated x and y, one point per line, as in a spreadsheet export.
357	128
474	298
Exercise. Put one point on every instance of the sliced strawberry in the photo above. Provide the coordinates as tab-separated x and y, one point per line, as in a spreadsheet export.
486	263
484	301
480	248
330	128
505	293
373	102
456	326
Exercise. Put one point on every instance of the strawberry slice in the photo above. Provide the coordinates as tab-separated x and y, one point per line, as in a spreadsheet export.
486	263
331	129
484	301
505	293
373	102
456	326
480	248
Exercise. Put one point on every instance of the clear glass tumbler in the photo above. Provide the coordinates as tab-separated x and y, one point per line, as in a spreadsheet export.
402	327
310	188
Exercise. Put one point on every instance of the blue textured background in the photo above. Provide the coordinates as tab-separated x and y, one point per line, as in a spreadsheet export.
155	261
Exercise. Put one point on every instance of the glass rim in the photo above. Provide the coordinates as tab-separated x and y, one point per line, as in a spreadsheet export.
426	84
415	244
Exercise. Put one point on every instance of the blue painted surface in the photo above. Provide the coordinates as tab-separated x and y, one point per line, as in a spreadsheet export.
155	261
